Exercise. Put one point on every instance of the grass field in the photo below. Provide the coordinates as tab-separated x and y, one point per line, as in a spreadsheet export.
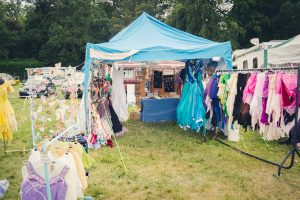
165	162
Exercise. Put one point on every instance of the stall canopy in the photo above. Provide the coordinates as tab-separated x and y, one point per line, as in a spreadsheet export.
148	39
287	52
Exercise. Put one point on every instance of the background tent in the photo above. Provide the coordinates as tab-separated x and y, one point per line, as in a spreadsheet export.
148	39
287	52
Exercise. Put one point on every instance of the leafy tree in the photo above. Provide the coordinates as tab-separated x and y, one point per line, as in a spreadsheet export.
125	11
266	19
286	22
58	30
11	27
206	18
74	23
39	17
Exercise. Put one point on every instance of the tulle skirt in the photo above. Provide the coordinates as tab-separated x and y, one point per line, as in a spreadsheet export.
190	110
8	123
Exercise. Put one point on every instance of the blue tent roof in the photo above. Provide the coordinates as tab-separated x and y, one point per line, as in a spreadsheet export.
153	40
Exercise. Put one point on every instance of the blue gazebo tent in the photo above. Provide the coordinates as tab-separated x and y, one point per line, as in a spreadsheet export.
148	39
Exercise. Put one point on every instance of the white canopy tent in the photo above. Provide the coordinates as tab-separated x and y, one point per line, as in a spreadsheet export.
286	53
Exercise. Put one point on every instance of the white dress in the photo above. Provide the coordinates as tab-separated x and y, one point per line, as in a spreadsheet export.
118	94
233	133
131	99
256	103
272	132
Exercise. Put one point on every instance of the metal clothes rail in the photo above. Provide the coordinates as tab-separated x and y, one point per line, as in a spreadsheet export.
294	150
256	69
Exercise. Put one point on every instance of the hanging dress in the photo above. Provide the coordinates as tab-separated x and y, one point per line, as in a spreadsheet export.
271	132
256	103
198	106
116	125
190	110
8	123
34	186
185	104
232	130
223	92
118	94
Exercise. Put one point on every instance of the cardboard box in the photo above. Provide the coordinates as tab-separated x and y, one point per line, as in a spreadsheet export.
135	115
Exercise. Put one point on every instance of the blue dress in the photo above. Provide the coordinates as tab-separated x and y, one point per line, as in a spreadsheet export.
190	110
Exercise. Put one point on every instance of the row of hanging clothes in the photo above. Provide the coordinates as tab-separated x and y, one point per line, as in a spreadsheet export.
259	100
103	120
68	166
67	158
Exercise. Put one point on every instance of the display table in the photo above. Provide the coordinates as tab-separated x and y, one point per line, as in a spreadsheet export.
159	110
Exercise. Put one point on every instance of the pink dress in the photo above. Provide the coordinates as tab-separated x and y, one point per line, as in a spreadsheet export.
272	132
287	86
256	103
249	89
265	91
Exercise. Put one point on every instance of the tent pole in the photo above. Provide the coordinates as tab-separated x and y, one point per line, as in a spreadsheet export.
46	170
265	58
32	117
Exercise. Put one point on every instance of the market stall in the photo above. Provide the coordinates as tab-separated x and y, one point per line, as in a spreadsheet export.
150	40
162	91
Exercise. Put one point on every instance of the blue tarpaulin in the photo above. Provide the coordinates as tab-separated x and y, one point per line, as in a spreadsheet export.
159	110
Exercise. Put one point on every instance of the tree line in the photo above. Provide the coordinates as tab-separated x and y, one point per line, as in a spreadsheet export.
58	30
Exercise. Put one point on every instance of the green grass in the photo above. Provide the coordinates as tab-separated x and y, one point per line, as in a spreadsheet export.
165	162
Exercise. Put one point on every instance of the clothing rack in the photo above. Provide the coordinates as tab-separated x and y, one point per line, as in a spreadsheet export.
295	149
256	69
45	159
89	116
61	134
45	144
32	119
31	106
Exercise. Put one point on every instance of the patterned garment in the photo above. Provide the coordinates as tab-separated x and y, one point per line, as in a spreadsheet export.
34	186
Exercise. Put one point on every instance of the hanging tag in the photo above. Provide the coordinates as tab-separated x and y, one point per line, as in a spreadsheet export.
52	167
